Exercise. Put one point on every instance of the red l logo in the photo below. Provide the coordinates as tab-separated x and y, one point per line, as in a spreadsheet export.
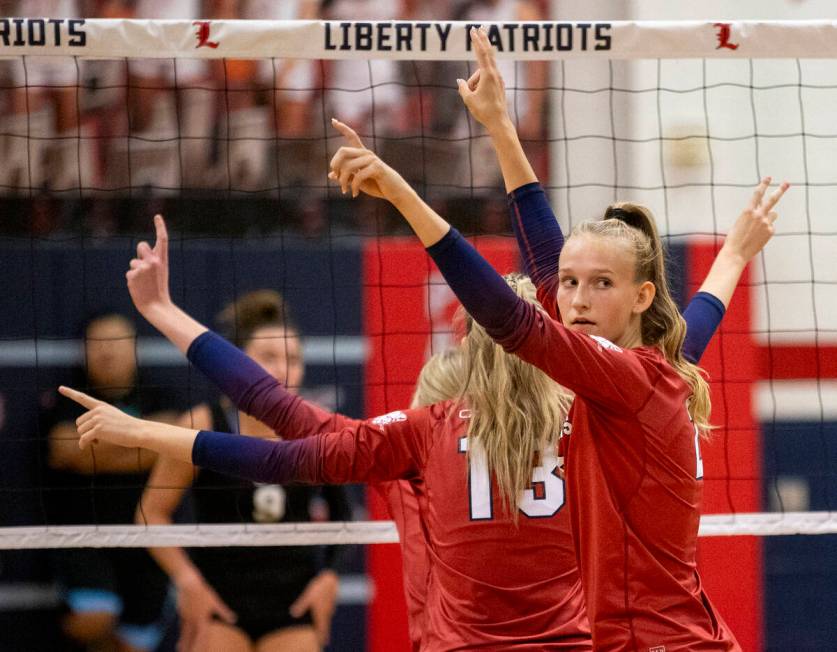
202	34
724	34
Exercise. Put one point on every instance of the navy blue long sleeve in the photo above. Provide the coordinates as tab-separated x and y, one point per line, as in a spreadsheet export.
232	371
703	315
539	236
259	460
483	292
505	316
254	391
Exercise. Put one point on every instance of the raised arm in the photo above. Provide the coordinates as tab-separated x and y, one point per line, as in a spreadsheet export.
246	383
482	291
148	284
748	236
485	96
539	236
386	448
254	391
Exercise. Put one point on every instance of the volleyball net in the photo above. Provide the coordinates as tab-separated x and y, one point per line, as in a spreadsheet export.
224	126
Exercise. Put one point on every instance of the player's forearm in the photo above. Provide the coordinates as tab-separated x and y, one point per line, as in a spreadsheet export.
703	315
426	223
483	292
232	370
167	440
255	459
538	234
177	326
516	169
179	567
724	275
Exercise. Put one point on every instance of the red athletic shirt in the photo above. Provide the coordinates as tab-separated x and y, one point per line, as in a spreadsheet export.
404	510
304	419
492	585
634	484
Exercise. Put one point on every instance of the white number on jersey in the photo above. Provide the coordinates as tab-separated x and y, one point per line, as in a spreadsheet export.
269	503
542	499
699	471
699	465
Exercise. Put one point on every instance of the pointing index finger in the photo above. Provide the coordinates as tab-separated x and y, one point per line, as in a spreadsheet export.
348	133
79	397
162	244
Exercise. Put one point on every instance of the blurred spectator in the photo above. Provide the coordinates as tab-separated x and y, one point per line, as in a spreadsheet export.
267	105
526	83
42	133
293	82
114	597
359	89
152	81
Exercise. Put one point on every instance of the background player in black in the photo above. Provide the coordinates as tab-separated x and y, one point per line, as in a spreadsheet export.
113	596
259	598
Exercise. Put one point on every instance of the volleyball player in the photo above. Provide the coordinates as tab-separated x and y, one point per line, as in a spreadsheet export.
250	598
633	459
290	415
263	397
470	526
538	233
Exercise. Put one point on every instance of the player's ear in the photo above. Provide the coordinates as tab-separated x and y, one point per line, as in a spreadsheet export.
644	297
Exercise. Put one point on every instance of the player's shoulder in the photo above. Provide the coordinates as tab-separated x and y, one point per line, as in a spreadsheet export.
440	415
452	411
670	385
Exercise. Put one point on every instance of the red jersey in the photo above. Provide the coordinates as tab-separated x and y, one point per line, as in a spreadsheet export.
634	484
306	419
403	507
492	584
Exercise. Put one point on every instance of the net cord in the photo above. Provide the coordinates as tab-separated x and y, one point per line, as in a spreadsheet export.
340	533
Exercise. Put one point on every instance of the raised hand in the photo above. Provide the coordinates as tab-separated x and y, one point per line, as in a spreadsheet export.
359	169
754	227
103	422
485	93
148	276
751	231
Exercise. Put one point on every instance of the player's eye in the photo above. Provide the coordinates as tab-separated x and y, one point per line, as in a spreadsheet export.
569	281
604	282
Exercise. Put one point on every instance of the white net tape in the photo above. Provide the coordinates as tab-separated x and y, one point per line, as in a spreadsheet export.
358	532
414	40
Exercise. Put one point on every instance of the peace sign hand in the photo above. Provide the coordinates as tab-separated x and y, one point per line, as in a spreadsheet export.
754	227
148	276
484	93
103	422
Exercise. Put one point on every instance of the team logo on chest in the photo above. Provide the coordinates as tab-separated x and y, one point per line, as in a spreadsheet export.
605	344
391	417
